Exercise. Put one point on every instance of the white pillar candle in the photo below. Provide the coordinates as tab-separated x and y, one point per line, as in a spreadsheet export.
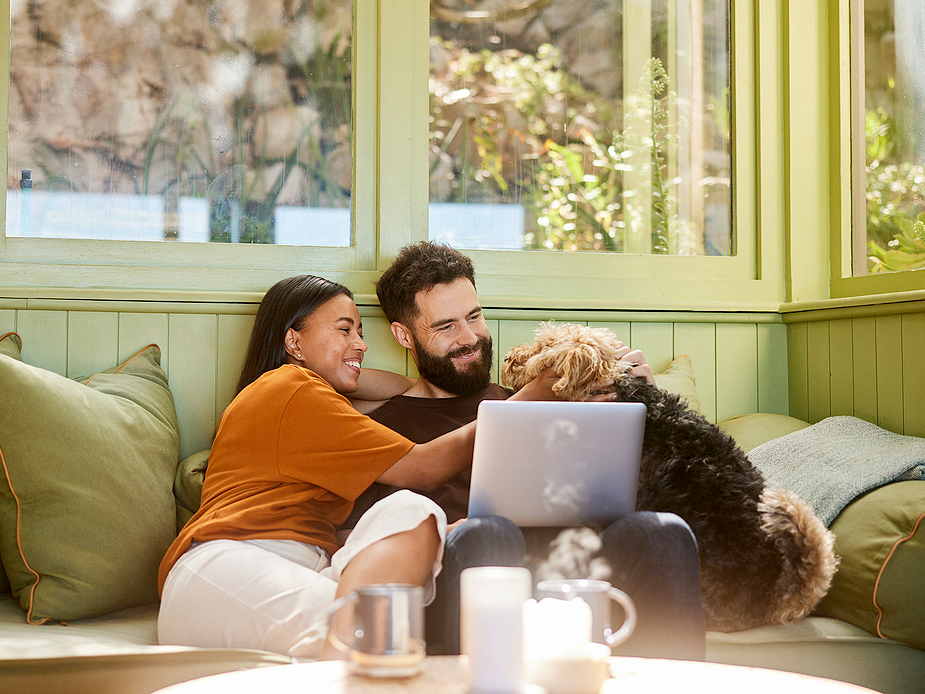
491	627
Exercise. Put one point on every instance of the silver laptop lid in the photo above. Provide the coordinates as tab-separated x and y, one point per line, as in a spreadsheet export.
556	463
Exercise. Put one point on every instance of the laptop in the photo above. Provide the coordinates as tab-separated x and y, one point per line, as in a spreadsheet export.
553	463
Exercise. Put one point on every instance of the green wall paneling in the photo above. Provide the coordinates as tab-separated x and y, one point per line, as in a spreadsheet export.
621	329
797	374
859	360
192	377
92	342
233	335
138	330
866	367
383	352
841	367
913	366
890	372
494	328
656	340
737	366
772	368
7	321
44	339
818	383
698	341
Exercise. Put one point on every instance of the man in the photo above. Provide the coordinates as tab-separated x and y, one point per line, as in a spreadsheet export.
430	299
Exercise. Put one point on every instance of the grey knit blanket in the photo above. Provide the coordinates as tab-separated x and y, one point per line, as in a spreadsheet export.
830	463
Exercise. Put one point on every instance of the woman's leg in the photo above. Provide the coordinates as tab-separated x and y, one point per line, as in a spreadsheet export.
405	557
263	594
399	540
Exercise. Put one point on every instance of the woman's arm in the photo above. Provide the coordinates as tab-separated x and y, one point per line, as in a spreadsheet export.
428	465
376	386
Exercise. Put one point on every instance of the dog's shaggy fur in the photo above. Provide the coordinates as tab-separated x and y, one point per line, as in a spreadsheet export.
765	557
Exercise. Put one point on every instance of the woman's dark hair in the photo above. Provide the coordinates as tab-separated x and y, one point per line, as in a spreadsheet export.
287	304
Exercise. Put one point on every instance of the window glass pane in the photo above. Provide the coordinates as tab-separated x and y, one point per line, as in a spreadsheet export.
581	125
894	135
223	121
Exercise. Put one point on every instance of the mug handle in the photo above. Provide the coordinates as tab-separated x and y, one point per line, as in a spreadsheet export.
629	621
333	610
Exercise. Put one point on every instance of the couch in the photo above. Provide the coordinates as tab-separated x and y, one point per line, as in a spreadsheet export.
87	511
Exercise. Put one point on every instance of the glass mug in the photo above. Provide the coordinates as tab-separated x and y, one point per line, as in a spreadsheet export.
387	629
598	594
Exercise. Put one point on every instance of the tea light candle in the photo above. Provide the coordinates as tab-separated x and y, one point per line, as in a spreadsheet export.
556	628
492	627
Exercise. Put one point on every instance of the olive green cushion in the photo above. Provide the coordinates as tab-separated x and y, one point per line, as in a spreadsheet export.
678	377
751	430
11	346
86	503
880	583
187	485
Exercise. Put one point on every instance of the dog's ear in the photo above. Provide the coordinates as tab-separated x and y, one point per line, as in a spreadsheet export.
513	369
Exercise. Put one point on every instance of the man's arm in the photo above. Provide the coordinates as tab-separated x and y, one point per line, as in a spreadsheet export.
376	387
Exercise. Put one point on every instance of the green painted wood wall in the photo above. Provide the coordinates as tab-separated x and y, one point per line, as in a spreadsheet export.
740	362
868	364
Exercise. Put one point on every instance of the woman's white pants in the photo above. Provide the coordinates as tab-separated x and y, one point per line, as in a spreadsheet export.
274	595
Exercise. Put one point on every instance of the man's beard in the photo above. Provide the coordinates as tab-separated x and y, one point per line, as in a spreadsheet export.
442	372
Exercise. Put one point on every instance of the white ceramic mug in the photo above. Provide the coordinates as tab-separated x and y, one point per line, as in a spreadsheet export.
387	629
598	594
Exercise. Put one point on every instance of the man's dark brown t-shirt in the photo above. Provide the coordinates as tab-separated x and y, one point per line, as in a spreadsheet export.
421	420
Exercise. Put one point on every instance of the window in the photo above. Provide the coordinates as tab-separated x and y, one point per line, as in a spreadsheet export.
888	136
581	126
394	140
226	122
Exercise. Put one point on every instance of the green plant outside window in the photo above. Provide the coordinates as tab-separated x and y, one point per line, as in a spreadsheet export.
894	135
581	126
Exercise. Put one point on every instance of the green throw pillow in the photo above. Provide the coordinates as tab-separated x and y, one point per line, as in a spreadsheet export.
678	377
187	485
880	582
751	430
86	504
11	346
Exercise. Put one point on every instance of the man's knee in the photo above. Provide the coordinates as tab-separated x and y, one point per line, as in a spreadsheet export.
493	539
666	532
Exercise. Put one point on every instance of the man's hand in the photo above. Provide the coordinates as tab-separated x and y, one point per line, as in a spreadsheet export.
636	357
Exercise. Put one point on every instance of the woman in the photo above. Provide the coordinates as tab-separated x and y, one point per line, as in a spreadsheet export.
259	564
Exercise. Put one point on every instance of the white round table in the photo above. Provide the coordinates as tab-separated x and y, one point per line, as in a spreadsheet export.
446	675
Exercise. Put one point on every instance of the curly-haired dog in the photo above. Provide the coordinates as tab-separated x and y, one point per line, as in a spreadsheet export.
765	557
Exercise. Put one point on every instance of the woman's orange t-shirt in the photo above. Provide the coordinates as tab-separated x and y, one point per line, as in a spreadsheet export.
290	457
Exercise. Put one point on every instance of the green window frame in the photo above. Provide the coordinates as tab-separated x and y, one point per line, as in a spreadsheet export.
391	199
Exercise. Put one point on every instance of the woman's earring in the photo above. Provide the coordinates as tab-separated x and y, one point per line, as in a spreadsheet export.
298	356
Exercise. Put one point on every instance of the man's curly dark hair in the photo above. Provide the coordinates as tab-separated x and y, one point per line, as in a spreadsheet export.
419	267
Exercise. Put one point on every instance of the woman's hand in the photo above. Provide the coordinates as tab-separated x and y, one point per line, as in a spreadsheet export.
540	388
